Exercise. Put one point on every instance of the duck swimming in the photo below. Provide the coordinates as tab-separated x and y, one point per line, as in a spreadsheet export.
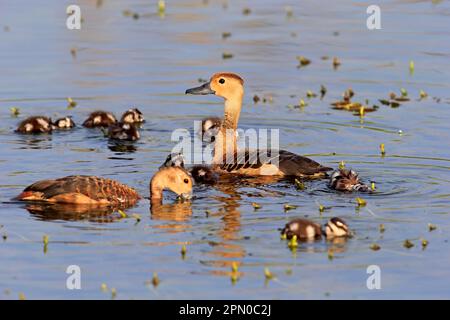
123	131
133	116
64	123
307	230
35	125
100	119
201	174
230	86
346	180
92	190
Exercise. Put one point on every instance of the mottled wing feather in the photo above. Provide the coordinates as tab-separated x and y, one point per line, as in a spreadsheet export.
94	187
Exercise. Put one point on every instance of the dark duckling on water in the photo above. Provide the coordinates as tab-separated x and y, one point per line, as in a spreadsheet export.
64	123
97	191
100	119
123	131
134	116
35	125
346	180
308	230
202	174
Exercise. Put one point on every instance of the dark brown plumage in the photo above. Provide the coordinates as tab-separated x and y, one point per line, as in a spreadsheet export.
123	131
100	119
64	123
89	190
346	180
303	229
134	116
204	174
210	128
35	125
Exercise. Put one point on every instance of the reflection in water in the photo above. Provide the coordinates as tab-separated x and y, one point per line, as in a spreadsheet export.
69	212
122	147
178	213
36	142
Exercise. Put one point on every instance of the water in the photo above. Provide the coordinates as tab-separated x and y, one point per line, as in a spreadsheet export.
149	62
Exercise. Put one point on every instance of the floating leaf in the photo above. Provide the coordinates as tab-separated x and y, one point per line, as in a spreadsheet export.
256	206
299	184
382	149
227	55
361	202
342	165
303	61
15	111
408	244
269	275
431	227
375	247
122	214
293	242
382	228
288	207
155	280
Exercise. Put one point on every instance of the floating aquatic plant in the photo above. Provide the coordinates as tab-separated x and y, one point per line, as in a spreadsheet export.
183	251
113	293
310	94
422	94
122	214
71	103
137	217
375	247
227	55
431	227
408	244
283	236
303	61
288	207
246	11
22	296
155	280
15	111
411	67
104	287
382	228
161	8
73	52
382	149
299	184
226	35
424	243
45	239
321	208
330	254
360	202
293	243
336	63
372	186
341	165
323	91
268	274
289	11
256	206
234	266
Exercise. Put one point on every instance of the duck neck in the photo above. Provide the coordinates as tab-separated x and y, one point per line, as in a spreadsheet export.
225	142
156	190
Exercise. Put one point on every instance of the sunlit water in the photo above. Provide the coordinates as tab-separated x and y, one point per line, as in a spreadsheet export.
149	62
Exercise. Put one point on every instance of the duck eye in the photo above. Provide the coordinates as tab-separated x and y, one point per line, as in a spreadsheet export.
222	81
186	180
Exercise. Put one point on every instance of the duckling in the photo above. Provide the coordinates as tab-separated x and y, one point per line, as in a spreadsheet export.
132	116
307	230
230	86
204	175
100	119
64	123
97	191
35	125
210	128
346	180
123	131
201	174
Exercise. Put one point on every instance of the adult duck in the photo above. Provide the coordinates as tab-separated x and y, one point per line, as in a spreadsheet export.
227	158
97	191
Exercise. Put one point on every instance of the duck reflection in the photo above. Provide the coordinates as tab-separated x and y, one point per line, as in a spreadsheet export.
177	214
68	212
122	147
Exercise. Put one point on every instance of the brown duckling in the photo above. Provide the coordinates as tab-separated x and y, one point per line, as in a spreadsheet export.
202	174
99	119
97	191
308	230
64	123
133	115
210	128
346	180
123	131
35	125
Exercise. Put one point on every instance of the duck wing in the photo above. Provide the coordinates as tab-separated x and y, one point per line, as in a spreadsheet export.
78	189
289	164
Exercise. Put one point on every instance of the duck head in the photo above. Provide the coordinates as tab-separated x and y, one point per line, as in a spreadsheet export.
224	84
336	227
175	179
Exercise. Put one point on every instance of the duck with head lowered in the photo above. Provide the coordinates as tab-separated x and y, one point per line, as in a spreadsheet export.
230	86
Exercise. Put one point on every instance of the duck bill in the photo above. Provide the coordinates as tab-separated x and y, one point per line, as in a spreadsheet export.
203	89
185	196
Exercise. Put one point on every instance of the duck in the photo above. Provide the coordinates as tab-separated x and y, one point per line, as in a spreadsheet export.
98	191
100	119
64	123
202	174
123	131
346	180
230	87
210	128
306	229
133	115
35	125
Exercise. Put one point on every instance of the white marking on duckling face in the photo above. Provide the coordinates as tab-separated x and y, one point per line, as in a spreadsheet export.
310	232
43	123
336	230
201	172
62	123
29	127
294	226
128	118
97	119
207	125
126	126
